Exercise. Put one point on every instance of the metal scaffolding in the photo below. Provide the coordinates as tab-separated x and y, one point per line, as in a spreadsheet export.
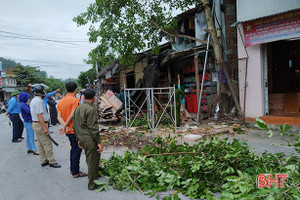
150	100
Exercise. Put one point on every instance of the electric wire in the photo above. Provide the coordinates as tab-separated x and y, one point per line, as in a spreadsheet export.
42	39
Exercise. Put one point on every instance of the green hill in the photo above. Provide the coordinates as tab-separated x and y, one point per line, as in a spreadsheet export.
7	63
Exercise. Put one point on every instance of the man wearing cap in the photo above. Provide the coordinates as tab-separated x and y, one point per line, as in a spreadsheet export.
87	86
14	114
40	118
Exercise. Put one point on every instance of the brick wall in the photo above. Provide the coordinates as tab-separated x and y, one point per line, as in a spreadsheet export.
231	36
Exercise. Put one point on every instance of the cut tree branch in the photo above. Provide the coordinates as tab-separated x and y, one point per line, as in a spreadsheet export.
175	153
178	35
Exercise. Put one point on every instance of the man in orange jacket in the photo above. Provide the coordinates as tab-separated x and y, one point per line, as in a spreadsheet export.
66	108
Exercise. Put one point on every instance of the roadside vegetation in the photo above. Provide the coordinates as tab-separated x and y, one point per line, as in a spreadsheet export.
214	168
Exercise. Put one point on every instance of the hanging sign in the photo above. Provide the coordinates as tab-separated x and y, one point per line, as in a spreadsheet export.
274	28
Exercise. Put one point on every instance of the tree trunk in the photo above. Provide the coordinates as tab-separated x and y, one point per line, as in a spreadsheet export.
219	55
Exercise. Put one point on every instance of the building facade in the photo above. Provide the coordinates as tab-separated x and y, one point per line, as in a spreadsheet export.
7	85
269	59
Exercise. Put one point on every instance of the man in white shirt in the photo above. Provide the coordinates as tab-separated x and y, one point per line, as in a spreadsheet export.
40	118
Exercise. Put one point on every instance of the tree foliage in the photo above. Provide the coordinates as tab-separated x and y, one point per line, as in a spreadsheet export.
26	75
69	80
54	84
95	57
203	170
86	77
124	28
40	73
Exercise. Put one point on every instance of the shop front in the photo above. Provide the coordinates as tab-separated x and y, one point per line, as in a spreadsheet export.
269	67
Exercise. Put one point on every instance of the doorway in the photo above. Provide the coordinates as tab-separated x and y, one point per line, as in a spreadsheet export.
284	77
130	80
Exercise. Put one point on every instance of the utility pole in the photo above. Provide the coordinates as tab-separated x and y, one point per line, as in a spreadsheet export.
98	80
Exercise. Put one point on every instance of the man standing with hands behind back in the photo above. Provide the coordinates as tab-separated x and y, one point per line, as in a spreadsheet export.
66	108
87	133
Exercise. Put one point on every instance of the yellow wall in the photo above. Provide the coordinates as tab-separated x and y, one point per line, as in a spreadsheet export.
139	69
122	78
139	72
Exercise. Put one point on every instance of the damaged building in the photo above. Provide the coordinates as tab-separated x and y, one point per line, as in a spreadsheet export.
185	57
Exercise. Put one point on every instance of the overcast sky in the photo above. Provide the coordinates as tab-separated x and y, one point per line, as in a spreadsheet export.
49	20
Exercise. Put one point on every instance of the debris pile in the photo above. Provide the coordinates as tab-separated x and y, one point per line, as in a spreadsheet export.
135	139
109	107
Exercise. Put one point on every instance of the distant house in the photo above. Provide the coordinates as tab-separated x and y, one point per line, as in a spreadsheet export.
8	84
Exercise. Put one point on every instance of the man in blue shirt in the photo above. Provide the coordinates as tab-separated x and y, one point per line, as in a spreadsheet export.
49	95
14	114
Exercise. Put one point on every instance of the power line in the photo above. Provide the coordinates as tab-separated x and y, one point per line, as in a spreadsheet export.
36	62
43	39
36	36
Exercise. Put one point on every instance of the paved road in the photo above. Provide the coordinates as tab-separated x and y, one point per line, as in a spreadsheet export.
22	177
259	141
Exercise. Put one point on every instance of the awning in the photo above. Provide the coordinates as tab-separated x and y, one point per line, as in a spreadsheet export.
8	89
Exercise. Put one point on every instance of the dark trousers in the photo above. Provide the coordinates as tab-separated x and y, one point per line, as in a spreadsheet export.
18	126
75	154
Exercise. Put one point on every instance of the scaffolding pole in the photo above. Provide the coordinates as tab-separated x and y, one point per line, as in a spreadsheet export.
150	99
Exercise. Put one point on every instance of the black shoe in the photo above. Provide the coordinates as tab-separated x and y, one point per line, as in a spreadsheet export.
21	138
29	151
55	165
36	153
15	141
45	164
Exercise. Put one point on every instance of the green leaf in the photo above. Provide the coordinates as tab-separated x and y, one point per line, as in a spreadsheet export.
270	197
270	133
291	168
261	124
232	178
195	167
243	188
284	128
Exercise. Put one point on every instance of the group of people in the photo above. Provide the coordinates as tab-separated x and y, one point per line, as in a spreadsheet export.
79	124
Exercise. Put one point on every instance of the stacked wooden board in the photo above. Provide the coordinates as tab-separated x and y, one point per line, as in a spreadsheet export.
109	107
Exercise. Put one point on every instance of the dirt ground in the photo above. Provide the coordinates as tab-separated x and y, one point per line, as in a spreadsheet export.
136	138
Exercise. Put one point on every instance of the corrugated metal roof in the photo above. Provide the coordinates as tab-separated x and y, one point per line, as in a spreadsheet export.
111	70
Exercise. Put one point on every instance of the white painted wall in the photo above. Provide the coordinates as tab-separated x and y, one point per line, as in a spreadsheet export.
253	9
254	94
